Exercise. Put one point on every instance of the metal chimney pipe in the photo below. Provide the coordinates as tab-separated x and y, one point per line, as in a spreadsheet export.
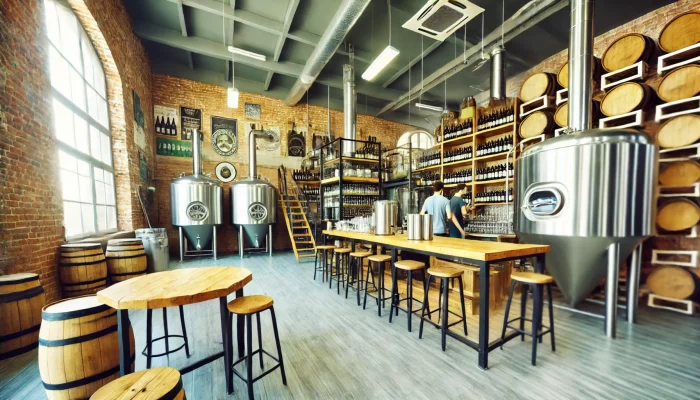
196	154
349	104
581	64
252	161
498	73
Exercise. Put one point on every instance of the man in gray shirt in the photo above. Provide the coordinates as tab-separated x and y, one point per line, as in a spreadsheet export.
438	206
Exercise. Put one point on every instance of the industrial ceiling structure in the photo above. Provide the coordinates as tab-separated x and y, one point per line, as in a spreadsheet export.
189	39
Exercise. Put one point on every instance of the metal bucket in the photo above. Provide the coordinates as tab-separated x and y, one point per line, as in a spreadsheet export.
427	227
394	213
382	217
415	227
155	242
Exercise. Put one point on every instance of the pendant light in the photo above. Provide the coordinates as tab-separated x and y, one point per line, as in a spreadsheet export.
232	93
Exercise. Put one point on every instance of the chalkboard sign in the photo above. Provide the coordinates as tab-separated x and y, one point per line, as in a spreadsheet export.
296	144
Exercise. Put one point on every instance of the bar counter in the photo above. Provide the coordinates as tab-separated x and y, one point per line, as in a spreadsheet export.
480	253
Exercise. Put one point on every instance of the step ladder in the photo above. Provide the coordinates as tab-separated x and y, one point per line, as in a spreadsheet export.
300	233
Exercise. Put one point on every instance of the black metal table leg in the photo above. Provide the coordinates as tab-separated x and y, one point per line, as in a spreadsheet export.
483	315
123	325
149	336
226	339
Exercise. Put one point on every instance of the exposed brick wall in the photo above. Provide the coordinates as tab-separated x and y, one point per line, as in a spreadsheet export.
176	92
31	212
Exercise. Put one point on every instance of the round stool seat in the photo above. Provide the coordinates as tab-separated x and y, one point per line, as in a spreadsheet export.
531	277
445	272
360	254
155	383
342	250
325	247
380	258
250	304
409	265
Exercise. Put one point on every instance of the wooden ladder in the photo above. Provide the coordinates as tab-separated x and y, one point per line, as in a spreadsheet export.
300	234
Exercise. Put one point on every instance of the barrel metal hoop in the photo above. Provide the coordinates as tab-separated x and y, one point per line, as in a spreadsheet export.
20	333
87	283
125	257
68	265
131	273
78	339
25	294
100	253
84	381
25	280
19	351
172	394
74	314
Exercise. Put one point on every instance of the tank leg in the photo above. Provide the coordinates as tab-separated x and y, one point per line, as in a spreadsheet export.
269	238
633	271
213	243
611	290
182	245
240	241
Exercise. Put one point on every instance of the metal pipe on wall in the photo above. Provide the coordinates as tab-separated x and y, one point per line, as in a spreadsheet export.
196	154
498	73
254	133
581	36
349	107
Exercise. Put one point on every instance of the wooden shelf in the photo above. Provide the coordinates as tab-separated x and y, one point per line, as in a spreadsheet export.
452	185
349	194
492	156
491	204
352	179
458	141
352	159
492	181
496	131
456	163
308	183
428	168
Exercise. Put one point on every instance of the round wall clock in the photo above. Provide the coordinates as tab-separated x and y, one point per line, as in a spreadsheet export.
225	172
224	142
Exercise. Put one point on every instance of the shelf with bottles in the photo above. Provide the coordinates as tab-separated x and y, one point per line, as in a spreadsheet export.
352	190
458	176
494	148
348	150
464	153
352	179
494	172
495	118
493	197
427	179
457	132
429	159
352	159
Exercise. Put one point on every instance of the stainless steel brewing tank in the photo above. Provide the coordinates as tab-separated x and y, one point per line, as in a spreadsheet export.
196	203
580	193
253	206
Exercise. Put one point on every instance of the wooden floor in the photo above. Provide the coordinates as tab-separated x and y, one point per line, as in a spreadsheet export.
335	350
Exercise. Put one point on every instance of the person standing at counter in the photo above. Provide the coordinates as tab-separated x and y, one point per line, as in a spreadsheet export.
438	206
458	210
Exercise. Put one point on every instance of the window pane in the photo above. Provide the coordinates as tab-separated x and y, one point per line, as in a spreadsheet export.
83	168
60	72
88	215
52	23
106	149
111	218
103	112
102	218
81	135
99	174
100	193
63	120
70	40
99	78
109	193
109	178
77	89
88	61
92	104
67	161
85	189
95	147
72	219
69	181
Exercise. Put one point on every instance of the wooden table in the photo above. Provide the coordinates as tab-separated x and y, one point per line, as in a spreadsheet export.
175	288
475	252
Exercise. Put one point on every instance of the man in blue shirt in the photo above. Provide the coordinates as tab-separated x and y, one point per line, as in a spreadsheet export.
438	206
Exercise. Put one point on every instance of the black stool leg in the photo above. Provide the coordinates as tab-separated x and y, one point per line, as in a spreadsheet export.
523	309
440	292
505	318
259	339
330	275
369	268
149	336
536	318
358	272
381	296
339	271
165	328
315	264
279	346
184	331
464	309
409	292
249	357
348	276
394	292
425	305
445	313
551	316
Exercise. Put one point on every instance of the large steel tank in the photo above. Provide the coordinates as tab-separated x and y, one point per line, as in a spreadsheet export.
581	194
253	203
196	204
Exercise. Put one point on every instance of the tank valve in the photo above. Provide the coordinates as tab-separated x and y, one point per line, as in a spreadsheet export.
198	246
257	242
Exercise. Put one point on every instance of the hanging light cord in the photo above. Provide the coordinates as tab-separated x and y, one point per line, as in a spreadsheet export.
388	3
503	20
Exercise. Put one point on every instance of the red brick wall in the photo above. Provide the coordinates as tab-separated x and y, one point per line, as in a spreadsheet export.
175	92
31	213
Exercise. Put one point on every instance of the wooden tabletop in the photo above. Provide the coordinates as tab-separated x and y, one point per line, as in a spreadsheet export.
453	247
174	288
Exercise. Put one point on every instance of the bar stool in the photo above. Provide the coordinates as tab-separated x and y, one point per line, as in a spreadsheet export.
147	351
354	275
249	306
444	274
536	281
409	266
324	267
342	260
381	297
156	383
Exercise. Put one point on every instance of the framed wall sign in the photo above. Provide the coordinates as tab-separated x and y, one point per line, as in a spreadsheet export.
296	144
173	147
165	120
190	119
224	135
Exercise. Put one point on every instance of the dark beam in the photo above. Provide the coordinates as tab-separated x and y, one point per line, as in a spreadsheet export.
288	17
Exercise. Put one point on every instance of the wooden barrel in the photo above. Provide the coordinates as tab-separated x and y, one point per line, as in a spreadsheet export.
126	259
82	269
561	116
537	85
535	124
162	383
681	83
563	74
21	300
680	173
627	97
78	347
680	131
627	50
674	283
681	32
677	215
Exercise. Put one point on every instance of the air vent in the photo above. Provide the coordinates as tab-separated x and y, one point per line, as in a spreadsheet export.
439	19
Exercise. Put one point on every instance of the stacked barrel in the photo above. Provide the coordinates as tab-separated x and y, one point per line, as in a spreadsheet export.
539	122
561	115
21	300
82	269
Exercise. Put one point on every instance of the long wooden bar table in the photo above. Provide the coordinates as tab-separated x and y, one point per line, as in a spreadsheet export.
474	252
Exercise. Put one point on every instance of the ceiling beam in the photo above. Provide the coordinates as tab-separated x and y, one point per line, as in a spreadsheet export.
183	30
288	17
514	26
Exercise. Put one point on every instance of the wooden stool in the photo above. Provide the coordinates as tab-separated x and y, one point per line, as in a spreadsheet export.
444	274
409	266
354	273
381	297
158	383
249	306
324	268
342	260
535	280
147	351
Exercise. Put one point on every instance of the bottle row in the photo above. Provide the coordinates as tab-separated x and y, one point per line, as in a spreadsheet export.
166	127
495	172
462	176
311	192
495	146
352	189
365	201
493	118
458	154
305	175
427	179
494	196
459	129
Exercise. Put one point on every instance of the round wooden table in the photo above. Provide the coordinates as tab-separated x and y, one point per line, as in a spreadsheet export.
175	288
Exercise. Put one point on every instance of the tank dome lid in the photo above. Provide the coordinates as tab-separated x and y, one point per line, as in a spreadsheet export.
201	180
593	136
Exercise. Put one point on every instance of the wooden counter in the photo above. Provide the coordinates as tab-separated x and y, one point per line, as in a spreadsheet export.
480	253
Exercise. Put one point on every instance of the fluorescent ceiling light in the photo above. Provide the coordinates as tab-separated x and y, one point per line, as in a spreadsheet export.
232	97
429	107
380	62
247	53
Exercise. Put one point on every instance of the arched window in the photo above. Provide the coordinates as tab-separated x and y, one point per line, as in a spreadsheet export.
422	140
81	123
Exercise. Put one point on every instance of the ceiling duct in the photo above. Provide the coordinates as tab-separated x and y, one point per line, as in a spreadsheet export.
498	73
438	19
581	65
343	20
